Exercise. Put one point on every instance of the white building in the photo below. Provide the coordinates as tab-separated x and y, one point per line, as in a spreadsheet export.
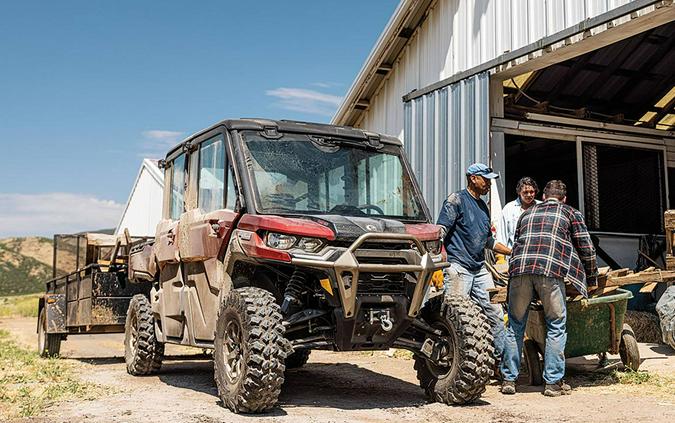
144	207
578	90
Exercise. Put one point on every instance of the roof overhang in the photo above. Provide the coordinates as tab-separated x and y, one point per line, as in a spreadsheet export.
407	17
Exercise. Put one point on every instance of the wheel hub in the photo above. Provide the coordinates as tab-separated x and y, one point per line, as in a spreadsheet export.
443	353
232	353
133	339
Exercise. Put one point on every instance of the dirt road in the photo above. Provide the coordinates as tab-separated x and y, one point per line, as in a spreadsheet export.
336	387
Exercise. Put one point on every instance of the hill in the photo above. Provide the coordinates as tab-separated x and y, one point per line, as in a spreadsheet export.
25	264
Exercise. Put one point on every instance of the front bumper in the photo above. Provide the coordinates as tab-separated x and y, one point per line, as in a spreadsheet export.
347	268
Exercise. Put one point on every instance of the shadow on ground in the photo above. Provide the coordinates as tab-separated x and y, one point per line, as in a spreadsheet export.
340	385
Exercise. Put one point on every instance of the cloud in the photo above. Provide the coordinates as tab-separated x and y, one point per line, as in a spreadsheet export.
325	84
56	212
306	101
156	142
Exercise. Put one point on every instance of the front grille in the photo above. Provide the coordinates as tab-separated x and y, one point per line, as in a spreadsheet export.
378	245
381	284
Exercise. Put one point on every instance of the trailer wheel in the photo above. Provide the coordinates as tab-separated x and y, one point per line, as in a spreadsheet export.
533	363
297	359
628	349
461	375
49	344
250	350
143	354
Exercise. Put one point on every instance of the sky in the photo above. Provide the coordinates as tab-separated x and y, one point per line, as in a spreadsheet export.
88	88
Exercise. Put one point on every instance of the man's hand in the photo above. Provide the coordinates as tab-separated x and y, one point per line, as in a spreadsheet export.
501	249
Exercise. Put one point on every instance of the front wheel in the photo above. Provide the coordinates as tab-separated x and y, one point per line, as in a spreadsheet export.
628	349
250	350
49	344
533	363
466	360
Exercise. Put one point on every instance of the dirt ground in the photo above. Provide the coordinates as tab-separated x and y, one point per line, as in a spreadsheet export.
336	387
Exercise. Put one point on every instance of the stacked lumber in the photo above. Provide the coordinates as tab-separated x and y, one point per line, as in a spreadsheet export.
608	281
669	220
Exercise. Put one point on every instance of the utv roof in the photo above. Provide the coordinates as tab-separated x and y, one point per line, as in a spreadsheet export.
291	126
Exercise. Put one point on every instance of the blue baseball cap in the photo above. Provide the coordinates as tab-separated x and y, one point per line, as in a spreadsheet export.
480	169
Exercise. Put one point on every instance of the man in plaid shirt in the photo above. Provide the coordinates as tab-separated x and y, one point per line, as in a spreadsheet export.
551	247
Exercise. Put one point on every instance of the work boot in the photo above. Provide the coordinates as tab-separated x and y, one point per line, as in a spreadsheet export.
557	389
508	387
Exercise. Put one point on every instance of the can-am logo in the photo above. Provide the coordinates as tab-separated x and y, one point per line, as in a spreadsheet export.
371	228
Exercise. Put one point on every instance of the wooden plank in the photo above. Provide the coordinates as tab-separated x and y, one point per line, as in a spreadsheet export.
648	287
642	277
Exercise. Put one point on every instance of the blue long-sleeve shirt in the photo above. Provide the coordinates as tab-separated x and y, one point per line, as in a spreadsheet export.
467	230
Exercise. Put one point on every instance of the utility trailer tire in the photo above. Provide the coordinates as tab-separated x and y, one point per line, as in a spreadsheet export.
628	349
250	350
469	362
297	359
49	344
143	354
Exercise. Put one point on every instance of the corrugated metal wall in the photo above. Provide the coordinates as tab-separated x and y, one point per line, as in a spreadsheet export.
446	131
459	34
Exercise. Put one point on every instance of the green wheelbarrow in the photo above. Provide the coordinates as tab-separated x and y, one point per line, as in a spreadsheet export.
594	326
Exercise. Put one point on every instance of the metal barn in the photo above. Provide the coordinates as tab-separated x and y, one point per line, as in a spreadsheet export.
578	90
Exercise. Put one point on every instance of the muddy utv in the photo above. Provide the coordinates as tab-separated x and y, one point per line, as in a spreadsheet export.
282	237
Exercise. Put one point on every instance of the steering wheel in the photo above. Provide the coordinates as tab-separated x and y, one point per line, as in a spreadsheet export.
371	207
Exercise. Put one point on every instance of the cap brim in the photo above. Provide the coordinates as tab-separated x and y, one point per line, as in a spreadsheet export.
491	175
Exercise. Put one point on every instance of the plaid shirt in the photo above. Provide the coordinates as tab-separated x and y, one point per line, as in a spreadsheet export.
552	240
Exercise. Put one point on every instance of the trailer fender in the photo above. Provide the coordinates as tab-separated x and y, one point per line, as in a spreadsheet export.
55	307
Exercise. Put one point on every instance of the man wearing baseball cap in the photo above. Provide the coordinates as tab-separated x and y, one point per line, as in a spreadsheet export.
466	220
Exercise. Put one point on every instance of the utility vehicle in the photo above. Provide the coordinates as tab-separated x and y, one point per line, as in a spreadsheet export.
281	237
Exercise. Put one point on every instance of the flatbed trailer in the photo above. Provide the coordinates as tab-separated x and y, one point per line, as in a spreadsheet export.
89	292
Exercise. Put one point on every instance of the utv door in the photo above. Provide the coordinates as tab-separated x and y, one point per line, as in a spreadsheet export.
167	252
206	226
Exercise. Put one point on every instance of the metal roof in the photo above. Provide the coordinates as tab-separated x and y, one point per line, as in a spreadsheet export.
631	81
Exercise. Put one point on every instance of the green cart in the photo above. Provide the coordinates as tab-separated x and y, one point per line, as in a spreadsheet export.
594	326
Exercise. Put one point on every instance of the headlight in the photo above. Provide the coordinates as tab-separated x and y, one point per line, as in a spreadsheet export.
280	241
310	245
433	247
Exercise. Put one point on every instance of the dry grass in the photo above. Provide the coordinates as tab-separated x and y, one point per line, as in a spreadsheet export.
19	305
641	383
28	383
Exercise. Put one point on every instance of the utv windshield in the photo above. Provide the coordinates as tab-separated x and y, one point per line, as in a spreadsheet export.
298	174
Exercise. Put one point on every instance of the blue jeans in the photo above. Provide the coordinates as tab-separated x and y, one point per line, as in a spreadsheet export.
460	281
551	292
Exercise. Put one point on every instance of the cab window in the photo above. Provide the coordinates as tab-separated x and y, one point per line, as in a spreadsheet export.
231	190
211	174
177	187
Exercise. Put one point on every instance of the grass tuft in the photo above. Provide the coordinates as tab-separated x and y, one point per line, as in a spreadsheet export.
19	305
29	383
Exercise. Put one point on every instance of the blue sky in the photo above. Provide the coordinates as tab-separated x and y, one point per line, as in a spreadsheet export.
88	88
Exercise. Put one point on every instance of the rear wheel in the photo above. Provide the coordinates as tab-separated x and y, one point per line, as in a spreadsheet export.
297	359
250	350
49	344
466	362
142	352
628	349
